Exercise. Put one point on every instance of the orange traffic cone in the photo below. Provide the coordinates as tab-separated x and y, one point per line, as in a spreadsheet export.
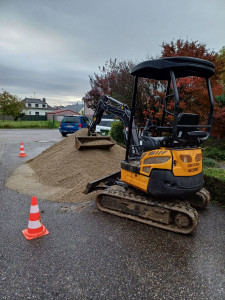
35	227
22	151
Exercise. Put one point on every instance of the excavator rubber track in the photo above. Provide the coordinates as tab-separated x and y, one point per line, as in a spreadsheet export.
176	216
200	200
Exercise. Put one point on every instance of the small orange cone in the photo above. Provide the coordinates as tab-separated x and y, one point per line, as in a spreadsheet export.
22	151
35	227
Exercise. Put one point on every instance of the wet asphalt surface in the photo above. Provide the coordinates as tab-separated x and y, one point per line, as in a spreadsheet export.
93	255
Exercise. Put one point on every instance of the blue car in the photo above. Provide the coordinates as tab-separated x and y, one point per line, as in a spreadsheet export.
71	124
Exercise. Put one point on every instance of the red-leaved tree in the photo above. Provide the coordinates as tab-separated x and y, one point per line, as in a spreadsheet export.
116	81
193	90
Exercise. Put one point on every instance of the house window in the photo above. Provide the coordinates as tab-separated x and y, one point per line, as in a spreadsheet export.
36	105
29	104
29	112
43	105
37	113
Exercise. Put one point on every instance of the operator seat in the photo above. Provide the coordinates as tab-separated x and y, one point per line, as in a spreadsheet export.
189	133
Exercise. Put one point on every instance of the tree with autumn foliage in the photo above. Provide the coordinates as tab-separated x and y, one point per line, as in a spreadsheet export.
219	114
193	88
116	81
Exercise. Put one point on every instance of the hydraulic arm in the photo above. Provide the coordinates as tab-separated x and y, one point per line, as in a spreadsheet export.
120	110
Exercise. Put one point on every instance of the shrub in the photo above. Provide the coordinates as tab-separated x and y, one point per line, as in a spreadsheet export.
50	123
116	132
209	163
215	182
214	149
216	153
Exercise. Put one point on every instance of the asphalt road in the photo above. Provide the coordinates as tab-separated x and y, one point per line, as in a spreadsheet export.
92	255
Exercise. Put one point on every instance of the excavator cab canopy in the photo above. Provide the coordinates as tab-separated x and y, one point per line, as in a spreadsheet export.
160	69
185	130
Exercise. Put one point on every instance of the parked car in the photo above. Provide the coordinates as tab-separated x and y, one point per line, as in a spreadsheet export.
71	124
104	126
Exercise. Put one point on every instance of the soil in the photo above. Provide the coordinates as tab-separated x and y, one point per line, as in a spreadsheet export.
61	172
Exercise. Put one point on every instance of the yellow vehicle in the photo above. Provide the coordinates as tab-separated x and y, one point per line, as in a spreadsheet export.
161	175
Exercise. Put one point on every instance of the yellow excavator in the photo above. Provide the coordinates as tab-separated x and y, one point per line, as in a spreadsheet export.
161	180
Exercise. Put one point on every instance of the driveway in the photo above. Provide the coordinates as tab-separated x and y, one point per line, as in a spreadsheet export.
92	255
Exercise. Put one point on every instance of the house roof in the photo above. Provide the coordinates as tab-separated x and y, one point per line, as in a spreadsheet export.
61	111
76	107
36	101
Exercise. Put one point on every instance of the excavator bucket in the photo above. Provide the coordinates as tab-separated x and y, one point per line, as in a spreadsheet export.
93	142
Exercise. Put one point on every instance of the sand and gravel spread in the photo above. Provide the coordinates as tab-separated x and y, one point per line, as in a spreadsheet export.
61	173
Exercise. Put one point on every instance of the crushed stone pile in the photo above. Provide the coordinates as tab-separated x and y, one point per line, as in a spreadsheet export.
61	173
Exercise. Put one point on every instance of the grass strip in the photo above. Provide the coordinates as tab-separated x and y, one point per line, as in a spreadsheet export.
28	124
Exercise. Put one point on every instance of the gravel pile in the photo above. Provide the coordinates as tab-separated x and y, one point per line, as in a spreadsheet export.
61	173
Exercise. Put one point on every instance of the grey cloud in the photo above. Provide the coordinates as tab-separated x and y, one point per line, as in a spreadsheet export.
55	45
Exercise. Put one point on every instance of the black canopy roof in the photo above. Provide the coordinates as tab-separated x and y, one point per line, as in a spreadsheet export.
180	65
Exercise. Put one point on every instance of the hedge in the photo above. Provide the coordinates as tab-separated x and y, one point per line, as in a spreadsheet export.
215	183
116	132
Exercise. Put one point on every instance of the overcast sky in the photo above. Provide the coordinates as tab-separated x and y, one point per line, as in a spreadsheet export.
48	48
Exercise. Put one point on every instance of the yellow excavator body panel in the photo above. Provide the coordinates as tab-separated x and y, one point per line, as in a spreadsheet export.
156	159
135	180
187	162
181	162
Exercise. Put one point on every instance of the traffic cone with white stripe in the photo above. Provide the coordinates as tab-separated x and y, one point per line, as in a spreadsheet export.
35	227
22	151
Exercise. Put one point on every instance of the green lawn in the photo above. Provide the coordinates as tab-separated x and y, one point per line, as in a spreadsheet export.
28	124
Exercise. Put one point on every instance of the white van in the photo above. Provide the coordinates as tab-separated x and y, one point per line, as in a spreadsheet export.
104	126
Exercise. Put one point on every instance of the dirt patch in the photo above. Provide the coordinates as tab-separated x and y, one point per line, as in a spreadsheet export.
61	173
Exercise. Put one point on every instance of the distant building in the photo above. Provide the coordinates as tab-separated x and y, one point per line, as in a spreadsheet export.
78	108
59	107
88	111
36	107
58	114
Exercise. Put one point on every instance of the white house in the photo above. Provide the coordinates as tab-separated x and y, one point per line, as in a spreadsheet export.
36	107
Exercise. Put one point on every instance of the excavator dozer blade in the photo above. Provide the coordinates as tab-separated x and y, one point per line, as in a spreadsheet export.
93	142
102	182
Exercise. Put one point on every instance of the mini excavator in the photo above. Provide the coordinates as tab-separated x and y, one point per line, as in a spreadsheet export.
161	178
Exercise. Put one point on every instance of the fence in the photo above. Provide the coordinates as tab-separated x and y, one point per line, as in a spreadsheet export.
6	118
33	118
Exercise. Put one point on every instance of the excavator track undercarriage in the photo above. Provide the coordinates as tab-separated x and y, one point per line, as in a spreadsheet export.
177	216
200	200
